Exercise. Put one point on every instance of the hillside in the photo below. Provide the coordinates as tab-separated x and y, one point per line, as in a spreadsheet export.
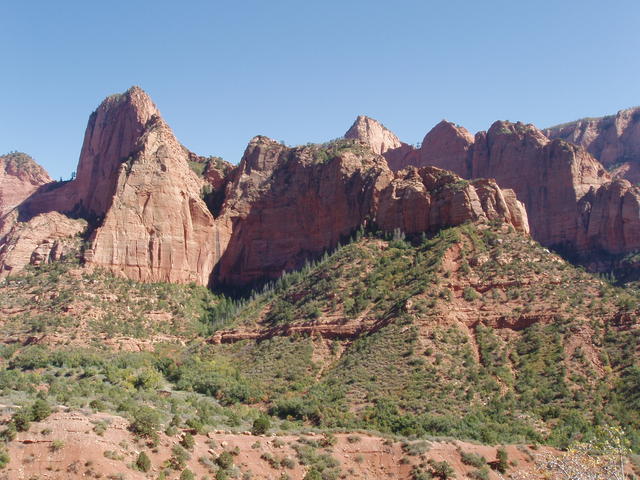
476	333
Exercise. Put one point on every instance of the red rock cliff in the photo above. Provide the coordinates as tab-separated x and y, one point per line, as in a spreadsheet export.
287	205
570	198
20	176
614	140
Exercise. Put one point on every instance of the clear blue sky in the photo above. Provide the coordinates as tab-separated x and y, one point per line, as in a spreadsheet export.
301	71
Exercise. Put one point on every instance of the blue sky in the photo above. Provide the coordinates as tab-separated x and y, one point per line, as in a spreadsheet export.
301	71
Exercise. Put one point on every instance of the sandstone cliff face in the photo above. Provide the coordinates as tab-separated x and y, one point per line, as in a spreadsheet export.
138	189
143	201
613	140
285	205
43	239
570	199
111	139
382	141
447	146
157	227
20	176
426	199
549	177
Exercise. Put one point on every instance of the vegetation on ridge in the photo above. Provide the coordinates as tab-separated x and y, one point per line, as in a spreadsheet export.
477	333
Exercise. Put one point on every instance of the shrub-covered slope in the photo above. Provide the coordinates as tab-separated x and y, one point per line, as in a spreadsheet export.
476	333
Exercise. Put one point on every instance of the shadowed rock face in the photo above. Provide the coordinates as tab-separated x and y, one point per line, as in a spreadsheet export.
570	198
20	176
285	206
614	140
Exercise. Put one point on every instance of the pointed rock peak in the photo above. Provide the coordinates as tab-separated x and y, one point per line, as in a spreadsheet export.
374	134
111	138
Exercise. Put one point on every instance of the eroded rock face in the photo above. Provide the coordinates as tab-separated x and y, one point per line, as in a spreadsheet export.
148	219
382	141
427	199
20	176
549	177
447	146
285	206
613	140
157	228
43	239
143	201
571	200
111	139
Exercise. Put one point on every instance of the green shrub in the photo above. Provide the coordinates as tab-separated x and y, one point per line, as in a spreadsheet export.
146	422
442	469
22	420
4	458
225	460
179	457
187	441
313	474
143	463
261	425
57	445
503	461
187	475
40	410
480	474
469	294
473	459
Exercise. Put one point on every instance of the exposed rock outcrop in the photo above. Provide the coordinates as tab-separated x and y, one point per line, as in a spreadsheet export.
157	212
287	205
571	200
143	201
614	140
447	146
20	176
157	228
426	199
382	141
43	239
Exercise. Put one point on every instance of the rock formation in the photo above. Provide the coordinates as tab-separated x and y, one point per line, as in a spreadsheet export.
614	140
143	201
45	238
571	200
447	146
382	141
426	199
20	176
157	228
287	205
156	212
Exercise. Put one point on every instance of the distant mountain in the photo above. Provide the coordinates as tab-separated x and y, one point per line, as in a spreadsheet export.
151	217
614	140
572	202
